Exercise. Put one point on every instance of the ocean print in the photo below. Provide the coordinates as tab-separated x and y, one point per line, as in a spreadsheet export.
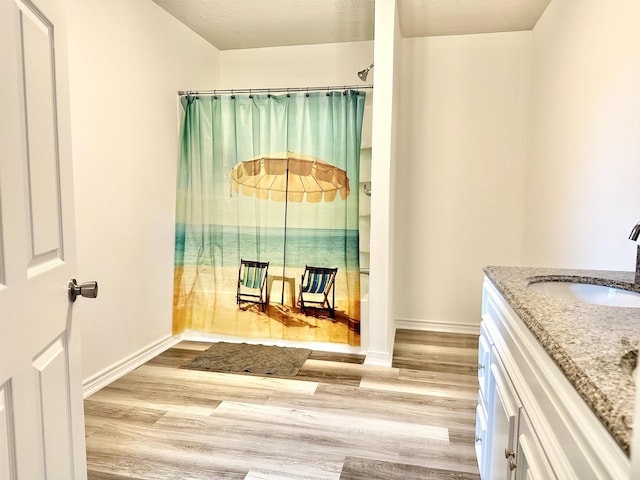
225	245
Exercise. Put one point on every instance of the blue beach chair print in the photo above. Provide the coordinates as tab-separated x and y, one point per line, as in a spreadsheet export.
316	285
252	283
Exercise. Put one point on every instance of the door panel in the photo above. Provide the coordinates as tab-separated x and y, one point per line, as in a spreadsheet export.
37	59
41	412
7	443
51	372
2	270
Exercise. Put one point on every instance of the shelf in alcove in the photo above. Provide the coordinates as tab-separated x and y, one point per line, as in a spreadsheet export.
365	165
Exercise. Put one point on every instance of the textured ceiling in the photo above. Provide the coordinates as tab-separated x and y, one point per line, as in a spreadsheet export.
236	24
426	18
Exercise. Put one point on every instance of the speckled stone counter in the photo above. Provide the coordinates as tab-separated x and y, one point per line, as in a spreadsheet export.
590	343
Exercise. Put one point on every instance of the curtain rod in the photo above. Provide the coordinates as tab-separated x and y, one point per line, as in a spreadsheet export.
274	90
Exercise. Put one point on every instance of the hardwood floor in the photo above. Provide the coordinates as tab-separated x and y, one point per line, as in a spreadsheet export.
337	419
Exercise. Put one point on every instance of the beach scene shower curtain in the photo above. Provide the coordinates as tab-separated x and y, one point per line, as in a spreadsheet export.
268	178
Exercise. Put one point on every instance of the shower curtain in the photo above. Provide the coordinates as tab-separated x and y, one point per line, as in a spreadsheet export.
288	222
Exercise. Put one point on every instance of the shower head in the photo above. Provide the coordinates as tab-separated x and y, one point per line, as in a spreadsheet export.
362	74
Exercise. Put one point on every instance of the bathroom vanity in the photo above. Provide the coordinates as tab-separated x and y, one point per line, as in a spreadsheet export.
556	393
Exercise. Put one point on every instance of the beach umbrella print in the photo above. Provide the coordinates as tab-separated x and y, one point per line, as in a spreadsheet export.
289	177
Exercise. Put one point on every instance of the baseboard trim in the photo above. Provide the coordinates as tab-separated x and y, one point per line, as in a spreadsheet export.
378	359
119	369
195	336
441	327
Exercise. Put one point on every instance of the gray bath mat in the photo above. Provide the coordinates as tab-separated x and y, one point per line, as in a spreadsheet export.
245	358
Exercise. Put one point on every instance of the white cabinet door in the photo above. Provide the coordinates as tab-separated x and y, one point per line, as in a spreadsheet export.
481	439
484	399
503	423
41	411
531	461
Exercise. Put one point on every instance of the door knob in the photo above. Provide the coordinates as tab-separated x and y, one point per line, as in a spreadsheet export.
86	289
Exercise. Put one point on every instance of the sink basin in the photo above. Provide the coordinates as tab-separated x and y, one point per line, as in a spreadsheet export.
588	293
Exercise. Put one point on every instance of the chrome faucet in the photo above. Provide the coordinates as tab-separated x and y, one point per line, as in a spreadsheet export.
635	233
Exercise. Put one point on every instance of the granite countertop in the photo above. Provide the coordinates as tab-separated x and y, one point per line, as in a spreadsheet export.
590	343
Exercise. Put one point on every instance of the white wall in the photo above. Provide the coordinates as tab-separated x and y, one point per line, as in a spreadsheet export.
583	172
460	164
127	61
380	327
298	66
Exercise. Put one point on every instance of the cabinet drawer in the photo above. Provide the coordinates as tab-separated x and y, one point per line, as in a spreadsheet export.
484	363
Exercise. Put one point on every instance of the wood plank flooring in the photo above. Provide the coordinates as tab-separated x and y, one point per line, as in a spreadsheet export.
337	419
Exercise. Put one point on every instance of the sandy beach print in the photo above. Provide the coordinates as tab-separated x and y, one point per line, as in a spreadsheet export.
200	306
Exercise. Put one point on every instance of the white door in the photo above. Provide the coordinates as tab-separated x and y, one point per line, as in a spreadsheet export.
41	411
